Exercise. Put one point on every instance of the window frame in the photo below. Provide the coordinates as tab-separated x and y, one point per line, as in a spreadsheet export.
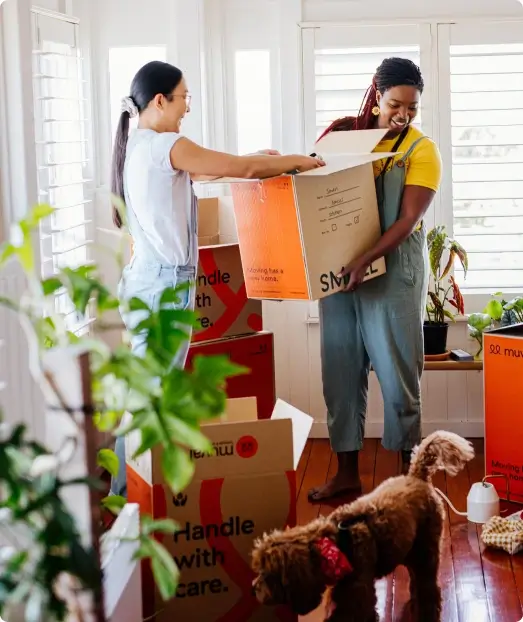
435	37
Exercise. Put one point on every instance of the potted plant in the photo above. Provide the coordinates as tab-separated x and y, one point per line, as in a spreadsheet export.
443	289
478	323
41	542
498	312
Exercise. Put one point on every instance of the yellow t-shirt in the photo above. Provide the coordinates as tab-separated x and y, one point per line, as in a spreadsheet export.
423	165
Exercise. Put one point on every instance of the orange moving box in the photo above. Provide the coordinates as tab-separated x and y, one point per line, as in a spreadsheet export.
296	232
246	487
503	378
255	352
221	297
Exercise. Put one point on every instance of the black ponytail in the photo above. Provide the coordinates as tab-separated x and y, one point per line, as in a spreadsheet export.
119	150
152	79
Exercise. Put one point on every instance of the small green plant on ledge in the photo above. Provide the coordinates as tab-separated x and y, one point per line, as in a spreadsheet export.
497	313
166	406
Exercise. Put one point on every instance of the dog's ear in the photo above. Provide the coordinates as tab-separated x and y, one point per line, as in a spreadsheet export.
303	579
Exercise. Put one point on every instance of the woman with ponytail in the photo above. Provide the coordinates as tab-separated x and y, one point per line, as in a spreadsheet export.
152	173
380	322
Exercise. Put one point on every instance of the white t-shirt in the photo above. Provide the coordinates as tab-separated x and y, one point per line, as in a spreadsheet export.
159	197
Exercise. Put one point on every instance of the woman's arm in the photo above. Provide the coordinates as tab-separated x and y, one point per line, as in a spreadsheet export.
416	201
186	155
422	181
213	177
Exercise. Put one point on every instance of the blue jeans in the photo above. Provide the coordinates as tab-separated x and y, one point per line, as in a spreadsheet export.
147	282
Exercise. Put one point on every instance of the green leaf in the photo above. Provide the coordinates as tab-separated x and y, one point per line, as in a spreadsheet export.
165	571
136	304
479	321
50	286
495	309
216	369
172	294
187	434
114	503
7	250
38	213
108	460
449	315
177	467
152	434
150	526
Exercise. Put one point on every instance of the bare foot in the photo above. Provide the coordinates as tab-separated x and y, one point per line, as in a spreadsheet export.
337	486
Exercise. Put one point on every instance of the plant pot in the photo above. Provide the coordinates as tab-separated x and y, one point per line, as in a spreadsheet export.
435	337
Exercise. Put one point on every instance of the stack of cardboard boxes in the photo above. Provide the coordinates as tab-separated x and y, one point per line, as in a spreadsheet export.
230	323
256	447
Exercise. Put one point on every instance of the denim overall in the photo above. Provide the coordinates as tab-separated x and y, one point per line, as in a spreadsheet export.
145	277
381	323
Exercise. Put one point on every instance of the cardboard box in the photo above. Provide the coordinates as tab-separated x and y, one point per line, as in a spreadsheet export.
296	232
255	352
503	378
246	487
221	297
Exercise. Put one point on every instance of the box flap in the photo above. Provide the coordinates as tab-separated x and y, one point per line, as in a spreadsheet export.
356	142
241	409
301	426
334	163
343	162
245	448
514	330
208	218
216	222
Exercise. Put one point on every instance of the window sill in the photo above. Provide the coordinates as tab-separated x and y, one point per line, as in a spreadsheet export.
316	320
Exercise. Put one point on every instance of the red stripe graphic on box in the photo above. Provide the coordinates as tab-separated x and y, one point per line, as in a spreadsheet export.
234	302
234	565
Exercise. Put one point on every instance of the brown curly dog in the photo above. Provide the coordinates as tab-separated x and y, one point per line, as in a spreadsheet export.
399	523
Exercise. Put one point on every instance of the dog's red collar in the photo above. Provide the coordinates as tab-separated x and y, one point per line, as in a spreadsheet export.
334	564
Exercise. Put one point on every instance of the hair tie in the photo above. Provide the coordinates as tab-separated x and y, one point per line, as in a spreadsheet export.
130	107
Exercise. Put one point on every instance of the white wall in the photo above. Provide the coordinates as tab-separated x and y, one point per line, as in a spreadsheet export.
377	10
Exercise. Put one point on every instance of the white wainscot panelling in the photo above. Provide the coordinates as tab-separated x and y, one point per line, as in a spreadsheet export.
451	400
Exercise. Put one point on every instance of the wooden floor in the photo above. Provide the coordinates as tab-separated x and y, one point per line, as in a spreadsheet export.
478	585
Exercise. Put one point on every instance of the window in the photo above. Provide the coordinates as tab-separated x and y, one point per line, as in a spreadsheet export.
124	62
253	100
63	155
487	163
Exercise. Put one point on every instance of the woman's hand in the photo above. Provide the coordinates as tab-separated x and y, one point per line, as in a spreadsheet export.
306	163
356	270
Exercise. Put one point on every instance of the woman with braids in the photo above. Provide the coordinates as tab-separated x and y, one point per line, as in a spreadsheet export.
152	173
380	322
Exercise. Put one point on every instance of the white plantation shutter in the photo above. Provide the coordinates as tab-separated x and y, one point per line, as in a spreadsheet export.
486	139
63	153
344	61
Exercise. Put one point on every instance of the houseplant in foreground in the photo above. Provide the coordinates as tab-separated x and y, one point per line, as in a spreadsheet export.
165	405
443	289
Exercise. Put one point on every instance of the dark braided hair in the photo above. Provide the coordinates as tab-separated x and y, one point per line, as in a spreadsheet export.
392	72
